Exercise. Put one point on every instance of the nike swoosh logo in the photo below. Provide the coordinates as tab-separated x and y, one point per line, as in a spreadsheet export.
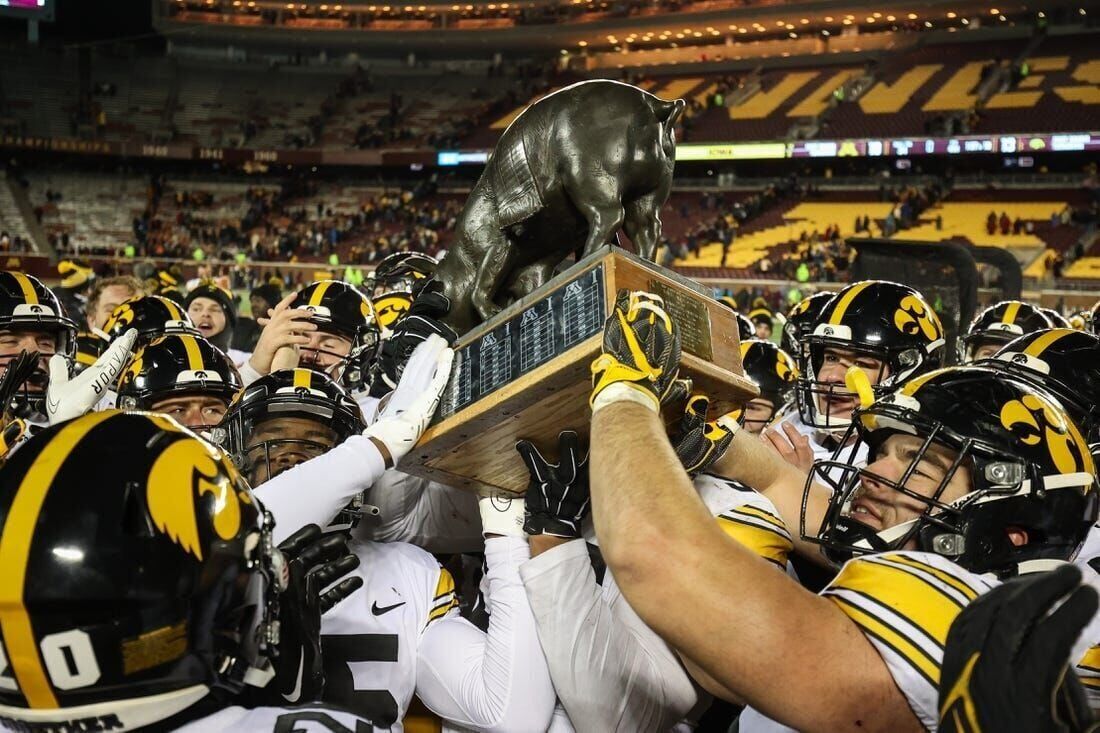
296	693
379	610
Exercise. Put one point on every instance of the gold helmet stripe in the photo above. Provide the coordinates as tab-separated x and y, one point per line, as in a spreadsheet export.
1044	342
28	289
194	356
319	293
15	546
302	378
173	309
1011	312
845	301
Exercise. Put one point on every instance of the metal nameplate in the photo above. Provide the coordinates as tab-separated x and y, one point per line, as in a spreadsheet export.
689	313
530	338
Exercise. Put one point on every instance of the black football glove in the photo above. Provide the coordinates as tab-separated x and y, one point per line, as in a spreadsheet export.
313	562
557	498
420	322
700	443
641	353
1004	665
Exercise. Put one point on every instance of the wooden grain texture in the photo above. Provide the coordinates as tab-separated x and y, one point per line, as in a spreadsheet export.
474	448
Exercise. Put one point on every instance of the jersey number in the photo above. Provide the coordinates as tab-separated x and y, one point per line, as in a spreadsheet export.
337	650
68	657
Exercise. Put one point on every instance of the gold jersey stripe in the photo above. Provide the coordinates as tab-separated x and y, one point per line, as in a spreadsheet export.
843	304
15	546
1011	312
24	283
194	356
442	610
765	543
319	292
762	514
944	577
445	584
1091	661
1041	344
917	658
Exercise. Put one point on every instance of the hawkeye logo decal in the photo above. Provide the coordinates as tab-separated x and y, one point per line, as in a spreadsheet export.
1034	420
914	317
391	307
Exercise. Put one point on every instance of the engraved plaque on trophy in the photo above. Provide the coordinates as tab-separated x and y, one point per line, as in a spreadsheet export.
525	373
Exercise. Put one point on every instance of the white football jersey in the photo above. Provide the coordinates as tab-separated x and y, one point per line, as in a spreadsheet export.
304	719
369	640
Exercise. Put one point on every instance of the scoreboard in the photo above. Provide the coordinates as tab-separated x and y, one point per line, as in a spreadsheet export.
29	9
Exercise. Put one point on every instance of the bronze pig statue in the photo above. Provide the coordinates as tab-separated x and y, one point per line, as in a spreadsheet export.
571	170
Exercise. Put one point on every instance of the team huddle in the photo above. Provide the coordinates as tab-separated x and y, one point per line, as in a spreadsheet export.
196	537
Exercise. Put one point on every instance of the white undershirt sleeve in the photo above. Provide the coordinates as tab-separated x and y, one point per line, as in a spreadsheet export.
610	670
494	681
314	492
423	513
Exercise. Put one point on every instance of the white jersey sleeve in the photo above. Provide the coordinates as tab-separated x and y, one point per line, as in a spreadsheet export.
424	513
904	603
302	719
248	373
1088	666
496	680
748	517
314	492
611	671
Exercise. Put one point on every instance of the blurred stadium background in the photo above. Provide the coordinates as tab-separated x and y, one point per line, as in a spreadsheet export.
250	139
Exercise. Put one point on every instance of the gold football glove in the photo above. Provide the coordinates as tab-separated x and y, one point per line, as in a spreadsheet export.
700	443
641	353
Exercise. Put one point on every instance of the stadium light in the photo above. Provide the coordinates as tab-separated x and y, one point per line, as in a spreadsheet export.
912	16
951	14
828	19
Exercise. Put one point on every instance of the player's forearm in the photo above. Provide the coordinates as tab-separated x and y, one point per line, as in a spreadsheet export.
424	513
314	492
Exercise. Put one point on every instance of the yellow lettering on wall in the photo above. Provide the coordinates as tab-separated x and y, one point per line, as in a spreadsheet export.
762	104
884	98
955	94
816	103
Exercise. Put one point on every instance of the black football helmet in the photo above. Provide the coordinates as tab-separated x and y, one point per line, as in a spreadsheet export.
389	307
174	366
1057	320
801	321
761	317
1000	323
1065	363
1092	320
888	322
28	305
401	272
1028	465
126	604
339	308
745	328
152	316
289	393
89	347
773	371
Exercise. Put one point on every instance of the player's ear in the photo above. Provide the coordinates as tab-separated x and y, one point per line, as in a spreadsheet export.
1018	537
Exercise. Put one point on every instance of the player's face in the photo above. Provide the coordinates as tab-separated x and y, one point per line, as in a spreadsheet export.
12	343
110	298
289	442
325	352
985	350
757	414
259	306
763	331
835	364
198	412
208	316
881	507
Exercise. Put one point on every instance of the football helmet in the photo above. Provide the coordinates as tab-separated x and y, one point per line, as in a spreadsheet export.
89	347
131	602
773	371
174	366
26	304
1065	363
1057	320
1000	323
761	317
745	328
152	316
339	308
389	307
801	320
889	323
290	393
401	272
1092	320
1026	461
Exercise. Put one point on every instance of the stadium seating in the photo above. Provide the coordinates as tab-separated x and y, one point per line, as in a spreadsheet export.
96	210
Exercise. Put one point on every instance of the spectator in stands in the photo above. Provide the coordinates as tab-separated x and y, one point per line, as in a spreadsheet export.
1017	225
107	294
1006	223
991	223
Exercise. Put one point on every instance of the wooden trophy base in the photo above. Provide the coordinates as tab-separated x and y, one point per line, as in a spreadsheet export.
525	373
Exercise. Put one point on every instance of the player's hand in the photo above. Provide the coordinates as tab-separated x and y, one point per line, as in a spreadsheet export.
1005	661
641	353
284	328
557	498
68	398
412	404
700	443
791	445
314	562
416	326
